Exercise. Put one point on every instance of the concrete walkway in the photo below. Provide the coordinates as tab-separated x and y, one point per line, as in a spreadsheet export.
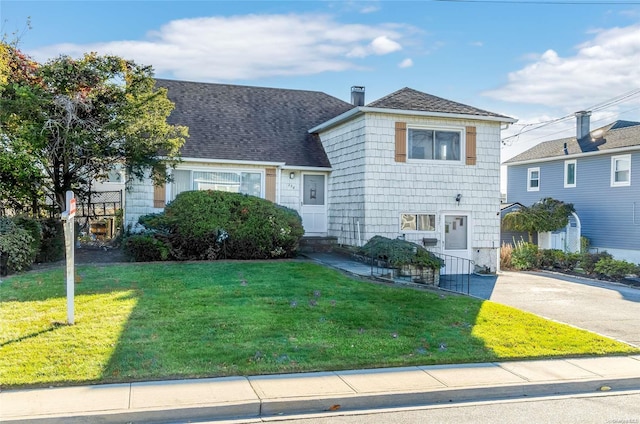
278	395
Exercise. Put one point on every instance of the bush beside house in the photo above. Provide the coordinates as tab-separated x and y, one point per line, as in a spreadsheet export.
527	256
411	260
210	225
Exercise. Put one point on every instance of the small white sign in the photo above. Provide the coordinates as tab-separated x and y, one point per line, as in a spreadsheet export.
69	236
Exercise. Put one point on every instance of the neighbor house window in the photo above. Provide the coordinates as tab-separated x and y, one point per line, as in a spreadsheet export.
533	179
433	144
417	222
621	170
245	182
570	173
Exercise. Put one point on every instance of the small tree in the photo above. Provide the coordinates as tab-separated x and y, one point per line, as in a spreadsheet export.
546	215
74	120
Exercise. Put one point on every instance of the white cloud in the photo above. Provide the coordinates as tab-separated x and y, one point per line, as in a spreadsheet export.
383	45
407	63
250	46
601	68
476	44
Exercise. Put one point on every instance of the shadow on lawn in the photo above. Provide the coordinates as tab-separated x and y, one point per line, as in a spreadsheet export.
55	325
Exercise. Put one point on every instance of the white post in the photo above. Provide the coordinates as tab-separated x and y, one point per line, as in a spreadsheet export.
67	217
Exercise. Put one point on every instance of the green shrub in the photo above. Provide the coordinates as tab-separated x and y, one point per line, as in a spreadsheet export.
400	252
615	269
17	245
52	245
588	261
218	225
33	227
557	259
145	248
525	256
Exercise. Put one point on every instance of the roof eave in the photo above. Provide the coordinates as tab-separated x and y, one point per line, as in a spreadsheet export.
365	109
572	156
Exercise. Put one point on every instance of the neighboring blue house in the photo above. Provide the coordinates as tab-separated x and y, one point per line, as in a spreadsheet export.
599	172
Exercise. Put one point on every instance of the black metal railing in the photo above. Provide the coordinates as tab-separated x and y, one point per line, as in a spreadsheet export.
455	275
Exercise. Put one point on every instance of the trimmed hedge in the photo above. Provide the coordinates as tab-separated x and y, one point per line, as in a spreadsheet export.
209	225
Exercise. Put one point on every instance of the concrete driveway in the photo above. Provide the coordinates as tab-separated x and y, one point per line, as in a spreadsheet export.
612	310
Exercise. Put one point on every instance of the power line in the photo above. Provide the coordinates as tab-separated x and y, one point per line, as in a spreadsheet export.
597	107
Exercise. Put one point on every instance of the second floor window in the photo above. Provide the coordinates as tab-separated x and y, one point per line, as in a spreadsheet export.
570	173
431	144
533	179
621	170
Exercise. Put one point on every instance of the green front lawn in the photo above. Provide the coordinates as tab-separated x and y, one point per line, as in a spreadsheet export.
159	321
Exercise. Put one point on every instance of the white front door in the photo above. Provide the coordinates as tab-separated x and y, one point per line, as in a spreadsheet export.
457	232
314	208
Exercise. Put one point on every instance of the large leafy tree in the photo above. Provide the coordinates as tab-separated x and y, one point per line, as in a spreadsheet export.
20	178
546	215
68	122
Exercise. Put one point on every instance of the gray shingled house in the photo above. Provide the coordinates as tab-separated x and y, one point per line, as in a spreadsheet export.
598	171
409	164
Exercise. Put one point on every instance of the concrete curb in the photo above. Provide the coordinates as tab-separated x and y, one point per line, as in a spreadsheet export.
305	405
264	397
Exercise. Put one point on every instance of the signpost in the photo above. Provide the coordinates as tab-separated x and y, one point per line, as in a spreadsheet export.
69	230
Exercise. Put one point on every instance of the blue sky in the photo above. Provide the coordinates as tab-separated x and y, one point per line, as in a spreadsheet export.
534	61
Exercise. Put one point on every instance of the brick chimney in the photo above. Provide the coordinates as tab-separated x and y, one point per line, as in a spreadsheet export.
357	95
582	124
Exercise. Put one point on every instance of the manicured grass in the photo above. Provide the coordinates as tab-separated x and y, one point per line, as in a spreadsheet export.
157	321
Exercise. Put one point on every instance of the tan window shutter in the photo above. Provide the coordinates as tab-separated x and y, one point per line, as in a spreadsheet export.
270	184
471	145
159	196
401	141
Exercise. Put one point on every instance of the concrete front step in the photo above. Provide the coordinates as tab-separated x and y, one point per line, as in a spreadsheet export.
317	244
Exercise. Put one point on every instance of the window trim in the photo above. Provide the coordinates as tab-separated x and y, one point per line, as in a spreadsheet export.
463	143
529	179
568	162
614	160
416	214
260	171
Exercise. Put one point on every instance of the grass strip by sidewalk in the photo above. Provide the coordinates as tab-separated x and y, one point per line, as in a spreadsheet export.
174	320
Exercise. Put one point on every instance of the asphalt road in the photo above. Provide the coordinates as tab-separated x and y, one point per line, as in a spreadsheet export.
621	408
609	309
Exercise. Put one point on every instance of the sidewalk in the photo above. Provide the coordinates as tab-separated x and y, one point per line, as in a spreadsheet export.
279	395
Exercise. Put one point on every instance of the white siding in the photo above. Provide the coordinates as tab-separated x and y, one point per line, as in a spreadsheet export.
367	183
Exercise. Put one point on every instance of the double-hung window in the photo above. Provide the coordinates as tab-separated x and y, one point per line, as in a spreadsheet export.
434	144
533	179
620	170
417	222
570	167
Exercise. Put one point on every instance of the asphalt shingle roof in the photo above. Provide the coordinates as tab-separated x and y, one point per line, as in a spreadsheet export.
410	99
234	122
615	135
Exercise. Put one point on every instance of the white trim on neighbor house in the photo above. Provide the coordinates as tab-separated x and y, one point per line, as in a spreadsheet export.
614	161
530	179
567	164
629	149
364	109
